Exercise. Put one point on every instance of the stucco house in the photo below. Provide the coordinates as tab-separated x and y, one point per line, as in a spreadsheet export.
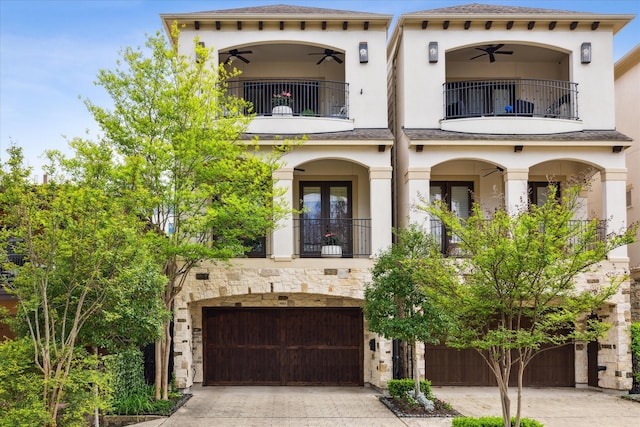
468	101
495	101
627	86
291	312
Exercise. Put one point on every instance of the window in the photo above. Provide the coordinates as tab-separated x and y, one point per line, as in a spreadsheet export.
539	192
327	211
458	196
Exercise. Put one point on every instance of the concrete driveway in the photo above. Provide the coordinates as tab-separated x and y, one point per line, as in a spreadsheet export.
358	406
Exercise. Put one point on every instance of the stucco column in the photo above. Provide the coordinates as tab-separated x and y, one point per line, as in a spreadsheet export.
380	187
417	183
282	236
614	210
516	188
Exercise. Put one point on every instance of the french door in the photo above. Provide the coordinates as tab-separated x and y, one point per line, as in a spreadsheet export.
458	198
326	217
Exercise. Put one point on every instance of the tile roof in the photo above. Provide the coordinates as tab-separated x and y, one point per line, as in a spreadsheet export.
355	135
286	9
587	135
487	9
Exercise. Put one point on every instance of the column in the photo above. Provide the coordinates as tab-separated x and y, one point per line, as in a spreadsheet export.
380	206
516	188
614	210
282	236
417	183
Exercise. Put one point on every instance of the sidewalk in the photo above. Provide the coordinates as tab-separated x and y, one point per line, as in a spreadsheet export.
360	407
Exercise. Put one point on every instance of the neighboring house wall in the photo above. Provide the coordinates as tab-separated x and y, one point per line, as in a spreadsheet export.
627	84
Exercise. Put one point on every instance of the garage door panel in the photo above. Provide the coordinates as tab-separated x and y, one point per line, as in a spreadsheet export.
449	366
283	346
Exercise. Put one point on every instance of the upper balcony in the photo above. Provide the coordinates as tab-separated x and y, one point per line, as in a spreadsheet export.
295	105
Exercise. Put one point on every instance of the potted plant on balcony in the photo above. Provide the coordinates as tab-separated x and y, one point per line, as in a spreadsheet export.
281	103
331	246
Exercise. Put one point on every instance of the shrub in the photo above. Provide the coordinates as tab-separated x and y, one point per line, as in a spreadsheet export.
635	348
398	389
491	422
126	370
21	386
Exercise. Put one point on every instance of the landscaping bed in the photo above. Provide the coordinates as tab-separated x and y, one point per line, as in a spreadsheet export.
402	408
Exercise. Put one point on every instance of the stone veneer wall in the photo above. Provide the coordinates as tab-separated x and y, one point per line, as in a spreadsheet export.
310	285
615	349
254	286
635	297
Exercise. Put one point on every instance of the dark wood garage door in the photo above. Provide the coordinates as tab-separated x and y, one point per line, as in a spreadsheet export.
288	346
449	366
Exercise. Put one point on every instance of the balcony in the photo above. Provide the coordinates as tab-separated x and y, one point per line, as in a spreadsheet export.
511	106
295	105
352	236
449	244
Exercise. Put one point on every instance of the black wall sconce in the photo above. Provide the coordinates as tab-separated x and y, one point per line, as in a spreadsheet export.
617	148
363	52
433	52
585	53
372	344
518	148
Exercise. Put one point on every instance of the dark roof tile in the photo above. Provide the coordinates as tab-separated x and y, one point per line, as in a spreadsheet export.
488	9
587	135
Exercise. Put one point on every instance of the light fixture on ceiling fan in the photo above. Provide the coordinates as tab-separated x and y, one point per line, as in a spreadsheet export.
491	51
329	55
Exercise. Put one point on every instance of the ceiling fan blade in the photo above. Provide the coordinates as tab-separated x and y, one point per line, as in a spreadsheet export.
499	46
492	58
243	59
321	59
478	56
244	51
338	60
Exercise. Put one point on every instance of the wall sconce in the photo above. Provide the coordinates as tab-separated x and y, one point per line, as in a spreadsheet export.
616	148
517	148
433	52
363	52
585	53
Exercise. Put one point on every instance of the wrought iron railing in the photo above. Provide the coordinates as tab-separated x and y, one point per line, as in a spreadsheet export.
297	97
352	236
511	97
449	244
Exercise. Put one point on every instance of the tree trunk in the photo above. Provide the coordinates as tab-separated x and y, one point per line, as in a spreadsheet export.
503	387
416	371
519	404
158	362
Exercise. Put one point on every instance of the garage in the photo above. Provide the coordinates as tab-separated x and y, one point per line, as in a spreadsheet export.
448	366
283	346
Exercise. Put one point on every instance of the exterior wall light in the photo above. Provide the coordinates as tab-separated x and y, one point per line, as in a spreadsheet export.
433	52
363	52
585	53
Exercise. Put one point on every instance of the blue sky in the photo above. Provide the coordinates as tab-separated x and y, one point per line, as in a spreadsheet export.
51	51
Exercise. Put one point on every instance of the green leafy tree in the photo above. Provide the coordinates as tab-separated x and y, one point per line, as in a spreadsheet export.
396	304
77	242
202	189
514	292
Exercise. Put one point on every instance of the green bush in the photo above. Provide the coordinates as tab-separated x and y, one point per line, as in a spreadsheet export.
131	396
635	346
491	422
398	389
21	386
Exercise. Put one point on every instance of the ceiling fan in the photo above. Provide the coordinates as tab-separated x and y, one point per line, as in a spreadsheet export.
329	54
493	170
491	51
235	53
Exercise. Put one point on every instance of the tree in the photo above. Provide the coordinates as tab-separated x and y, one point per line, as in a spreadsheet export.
77	243
396	304
204	191
514	293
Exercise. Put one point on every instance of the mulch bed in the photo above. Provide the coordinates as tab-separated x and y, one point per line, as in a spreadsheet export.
402	408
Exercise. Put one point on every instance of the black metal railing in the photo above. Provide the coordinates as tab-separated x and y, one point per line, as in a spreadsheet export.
511	97
352	236
449	244
298	97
